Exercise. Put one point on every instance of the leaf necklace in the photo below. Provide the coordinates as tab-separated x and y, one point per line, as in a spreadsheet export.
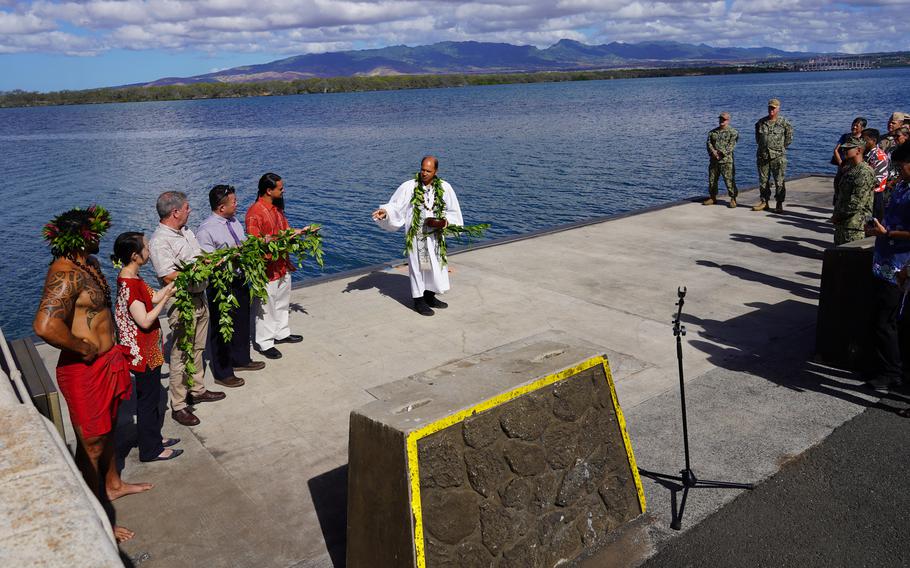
418	204
100	280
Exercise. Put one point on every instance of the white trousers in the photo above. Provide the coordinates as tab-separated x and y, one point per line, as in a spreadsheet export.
272	316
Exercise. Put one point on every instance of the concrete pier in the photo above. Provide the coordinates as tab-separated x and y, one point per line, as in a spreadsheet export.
263	479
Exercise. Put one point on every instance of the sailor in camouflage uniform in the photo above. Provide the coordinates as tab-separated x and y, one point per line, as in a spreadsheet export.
887	142
773	133
855	191
721	142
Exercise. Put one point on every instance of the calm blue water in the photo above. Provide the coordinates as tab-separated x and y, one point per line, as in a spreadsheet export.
522	157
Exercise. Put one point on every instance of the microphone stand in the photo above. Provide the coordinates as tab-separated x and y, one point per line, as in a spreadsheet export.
687	477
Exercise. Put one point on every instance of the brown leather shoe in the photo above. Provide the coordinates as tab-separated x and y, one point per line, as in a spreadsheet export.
731	204
185	417
760	206
251	366
779	208
206	396
230	382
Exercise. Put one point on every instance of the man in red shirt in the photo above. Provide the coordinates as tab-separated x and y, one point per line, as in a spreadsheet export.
265	218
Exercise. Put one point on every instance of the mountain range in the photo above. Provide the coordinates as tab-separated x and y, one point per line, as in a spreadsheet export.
479	57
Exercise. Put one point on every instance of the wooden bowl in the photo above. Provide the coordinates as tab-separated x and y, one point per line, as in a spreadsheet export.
435	223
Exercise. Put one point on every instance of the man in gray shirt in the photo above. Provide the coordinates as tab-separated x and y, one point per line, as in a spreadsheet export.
171	245
222	230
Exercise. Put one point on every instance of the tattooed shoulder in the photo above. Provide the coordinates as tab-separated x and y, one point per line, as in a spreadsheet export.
61	289
90	315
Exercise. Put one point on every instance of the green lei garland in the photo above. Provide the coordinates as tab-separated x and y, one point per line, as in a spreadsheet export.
439	212
418	204
219	269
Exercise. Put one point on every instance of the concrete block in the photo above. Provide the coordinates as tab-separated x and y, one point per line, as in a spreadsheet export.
47	516
517	456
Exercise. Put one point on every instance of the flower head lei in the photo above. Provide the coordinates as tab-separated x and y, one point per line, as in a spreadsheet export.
73	230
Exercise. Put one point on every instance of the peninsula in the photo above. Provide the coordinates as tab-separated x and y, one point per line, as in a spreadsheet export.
457	64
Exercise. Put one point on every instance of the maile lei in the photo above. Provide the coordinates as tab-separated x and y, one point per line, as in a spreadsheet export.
220	267
418	204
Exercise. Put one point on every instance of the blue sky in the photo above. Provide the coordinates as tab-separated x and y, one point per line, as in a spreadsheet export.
52	45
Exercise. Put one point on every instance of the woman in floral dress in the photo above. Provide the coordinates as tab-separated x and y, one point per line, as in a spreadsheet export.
137	310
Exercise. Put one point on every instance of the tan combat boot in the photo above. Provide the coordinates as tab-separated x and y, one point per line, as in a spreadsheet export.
732	203
709	201
760	206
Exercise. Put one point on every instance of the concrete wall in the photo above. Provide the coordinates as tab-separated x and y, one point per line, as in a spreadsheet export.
519	457
48	516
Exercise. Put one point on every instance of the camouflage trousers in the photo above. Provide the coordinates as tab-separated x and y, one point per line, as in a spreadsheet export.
727	170
772	168
844	234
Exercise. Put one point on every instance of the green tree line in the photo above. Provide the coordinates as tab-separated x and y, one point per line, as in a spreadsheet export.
194	91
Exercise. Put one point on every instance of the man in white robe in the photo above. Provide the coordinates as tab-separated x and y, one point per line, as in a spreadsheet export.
429	276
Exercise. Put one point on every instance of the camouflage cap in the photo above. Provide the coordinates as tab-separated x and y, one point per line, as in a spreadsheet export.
774	103
898	116
853	143
724	115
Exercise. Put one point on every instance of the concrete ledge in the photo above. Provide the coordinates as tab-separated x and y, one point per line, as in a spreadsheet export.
47	515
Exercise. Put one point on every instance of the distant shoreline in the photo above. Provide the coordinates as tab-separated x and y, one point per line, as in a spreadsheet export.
202	91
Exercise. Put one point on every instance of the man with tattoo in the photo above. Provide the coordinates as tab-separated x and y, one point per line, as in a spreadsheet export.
93	371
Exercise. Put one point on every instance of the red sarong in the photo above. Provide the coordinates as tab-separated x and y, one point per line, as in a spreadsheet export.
93	391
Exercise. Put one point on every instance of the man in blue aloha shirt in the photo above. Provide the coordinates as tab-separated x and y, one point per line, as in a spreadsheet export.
891	326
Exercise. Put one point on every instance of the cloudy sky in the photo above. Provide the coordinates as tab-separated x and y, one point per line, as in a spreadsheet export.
51	45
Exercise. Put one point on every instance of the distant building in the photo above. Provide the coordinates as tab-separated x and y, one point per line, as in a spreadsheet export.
837	64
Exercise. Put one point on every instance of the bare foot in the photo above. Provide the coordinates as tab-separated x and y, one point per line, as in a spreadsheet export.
123	534
128	489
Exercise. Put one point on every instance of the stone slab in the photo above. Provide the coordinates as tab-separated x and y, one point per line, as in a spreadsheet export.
515	468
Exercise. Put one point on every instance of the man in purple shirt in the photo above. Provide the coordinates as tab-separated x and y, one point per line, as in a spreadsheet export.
222	230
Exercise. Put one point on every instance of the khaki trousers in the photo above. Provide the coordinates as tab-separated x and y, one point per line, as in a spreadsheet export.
178	377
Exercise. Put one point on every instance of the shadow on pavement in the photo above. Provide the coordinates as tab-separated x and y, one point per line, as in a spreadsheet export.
390	284
797	289
779	246
805	240
776	342
329	492
821	210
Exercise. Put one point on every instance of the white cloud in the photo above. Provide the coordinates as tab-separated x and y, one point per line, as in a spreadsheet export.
17	24
57	42
306	26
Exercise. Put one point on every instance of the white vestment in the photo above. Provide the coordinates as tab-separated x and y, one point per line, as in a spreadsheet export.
434	277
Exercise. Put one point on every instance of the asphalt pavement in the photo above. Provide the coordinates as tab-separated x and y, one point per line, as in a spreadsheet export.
844	503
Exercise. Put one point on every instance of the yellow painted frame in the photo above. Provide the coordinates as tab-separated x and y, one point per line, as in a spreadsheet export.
442	423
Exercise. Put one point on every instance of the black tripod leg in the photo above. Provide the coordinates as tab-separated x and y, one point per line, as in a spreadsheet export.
676	523
711	484
656	476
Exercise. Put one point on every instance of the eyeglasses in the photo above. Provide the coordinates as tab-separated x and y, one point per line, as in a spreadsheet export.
222	191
